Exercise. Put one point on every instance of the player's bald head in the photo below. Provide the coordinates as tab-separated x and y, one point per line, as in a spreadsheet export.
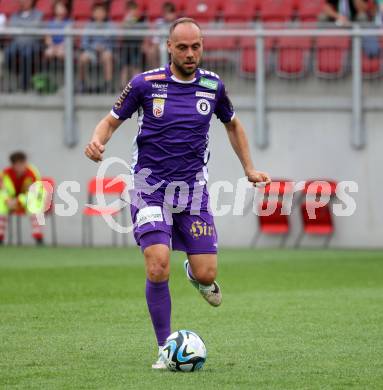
184	28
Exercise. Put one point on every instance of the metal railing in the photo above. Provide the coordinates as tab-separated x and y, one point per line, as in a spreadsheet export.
244	57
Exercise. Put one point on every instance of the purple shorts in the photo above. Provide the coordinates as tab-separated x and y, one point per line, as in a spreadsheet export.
156	223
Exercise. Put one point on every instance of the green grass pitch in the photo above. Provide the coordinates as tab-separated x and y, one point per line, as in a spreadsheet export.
77	319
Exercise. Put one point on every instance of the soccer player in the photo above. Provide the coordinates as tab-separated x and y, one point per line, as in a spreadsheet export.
175	105
15	182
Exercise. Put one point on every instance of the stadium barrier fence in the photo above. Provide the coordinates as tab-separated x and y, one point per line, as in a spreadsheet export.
253	61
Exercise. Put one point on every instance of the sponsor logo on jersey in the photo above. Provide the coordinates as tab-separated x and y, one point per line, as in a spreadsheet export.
160	87
160	95
123	96
211	84
149	214
158	107
203	106
160	76
207	95
201	229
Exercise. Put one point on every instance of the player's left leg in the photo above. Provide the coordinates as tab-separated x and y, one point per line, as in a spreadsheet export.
201	270
196	235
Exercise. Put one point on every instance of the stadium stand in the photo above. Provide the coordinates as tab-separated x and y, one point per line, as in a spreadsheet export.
293	56
106	186
308	11
8	7
202	11
332	57
239	11
82	10
46	7
154	8
248	62
276	10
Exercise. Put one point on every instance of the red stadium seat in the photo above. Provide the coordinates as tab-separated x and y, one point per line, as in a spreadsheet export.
239	11
154	8
315	187
274	224
331	57
219	43
322	223
248	62
118	8
202	10
106	186
46	7
8	7
372	67
276	10
293	56
82	9
308	11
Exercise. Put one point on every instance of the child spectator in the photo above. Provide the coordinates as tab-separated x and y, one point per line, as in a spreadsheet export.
54	44
151	46
131	53
97	48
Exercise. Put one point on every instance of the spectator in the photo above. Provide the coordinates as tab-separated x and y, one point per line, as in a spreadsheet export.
98	48
54	44
379	12
151	46
16	181
131	54
343	12
24	49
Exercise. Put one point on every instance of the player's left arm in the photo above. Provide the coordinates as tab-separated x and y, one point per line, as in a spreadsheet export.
240	144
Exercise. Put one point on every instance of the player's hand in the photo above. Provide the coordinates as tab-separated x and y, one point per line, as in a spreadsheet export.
258	178
94	151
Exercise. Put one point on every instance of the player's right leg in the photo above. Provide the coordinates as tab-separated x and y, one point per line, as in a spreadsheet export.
157	263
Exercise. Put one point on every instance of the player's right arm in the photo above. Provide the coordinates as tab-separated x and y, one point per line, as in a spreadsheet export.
127	103
101	135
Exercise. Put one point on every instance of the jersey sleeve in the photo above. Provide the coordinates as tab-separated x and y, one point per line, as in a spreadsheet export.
129	101
224	108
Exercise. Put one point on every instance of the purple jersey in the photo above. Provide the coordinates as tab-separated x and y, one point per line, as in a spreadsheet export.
173	121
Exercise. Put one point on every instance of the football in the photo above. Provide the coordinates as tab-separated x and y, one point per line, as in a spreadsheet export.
184	351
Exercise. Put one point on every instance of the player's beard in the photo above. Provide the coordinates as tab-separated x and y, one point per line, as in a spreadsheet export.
184	71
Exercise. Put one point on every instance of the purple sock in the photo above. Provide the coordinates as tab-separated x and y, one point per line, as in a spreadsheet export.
159	305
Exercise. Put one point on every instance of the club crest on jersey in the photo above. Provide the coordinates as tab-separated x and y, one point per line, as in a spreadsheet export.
158	107
203	106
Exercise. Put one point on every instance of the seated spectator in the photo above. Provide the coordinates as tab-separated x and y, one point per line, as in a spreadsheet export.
15	183
379	12
97	48
343	12
24	49
151	46
131	53
54	44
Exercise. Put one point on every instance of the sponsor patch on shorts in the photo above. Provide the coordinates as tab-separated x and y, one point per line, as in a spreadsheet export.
149	214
